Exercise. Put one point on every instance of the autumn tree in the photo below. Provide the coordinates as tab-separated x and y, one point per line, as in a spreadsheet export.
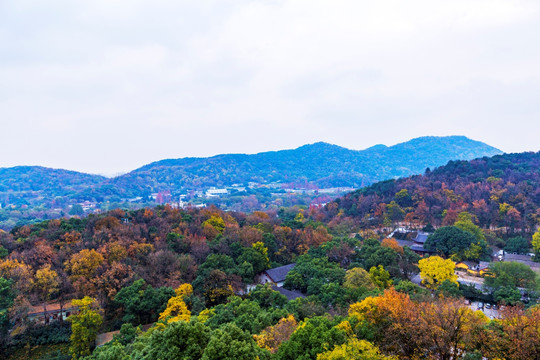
46	283
83	266
273	336
19	272
176	309
536	243
434	270
515	336
84	326
355	349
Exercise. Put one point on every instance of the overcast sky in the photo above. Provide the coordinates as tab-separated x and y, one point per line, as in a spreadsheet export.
105	86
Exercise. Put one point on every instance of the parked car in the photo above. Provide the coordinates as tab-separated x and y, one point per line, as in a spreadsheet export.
495	307
480	305
488	306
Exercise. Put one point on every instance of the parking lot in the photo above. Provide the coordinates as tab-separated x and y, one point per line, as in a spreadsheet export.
490	313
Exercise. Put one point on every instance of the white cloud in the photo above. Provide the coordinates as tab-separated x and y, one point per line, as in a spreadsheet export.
105	86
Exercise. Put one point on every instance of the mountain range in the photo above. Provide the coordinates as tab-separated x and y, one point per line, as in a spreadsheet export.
320	164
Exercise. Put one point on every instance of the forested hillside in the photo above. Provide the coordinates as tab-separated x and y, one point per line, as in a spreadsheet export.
501	192
29	182
184	273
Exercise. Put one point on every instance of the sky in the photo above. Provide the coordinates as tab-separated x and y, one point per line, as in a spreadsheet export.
106	86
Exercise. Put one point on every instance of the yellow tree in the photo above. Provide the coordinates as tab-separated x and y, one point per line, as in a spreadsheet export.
271	337
434	270
46	284
536	242
83	267
355	349
176	307
84	326
84	263
396	317
19	272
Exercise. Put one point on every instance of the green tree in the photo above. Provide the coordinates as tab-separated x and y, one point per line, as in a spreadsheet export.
373	254
84	327
7	296
179	340
449	289
517	244
310	274
76	209
380	277
3	252
141	303
408	263
245	314
414	291
356	278
266	297
312	337
511	274
232	343
450	240
507	295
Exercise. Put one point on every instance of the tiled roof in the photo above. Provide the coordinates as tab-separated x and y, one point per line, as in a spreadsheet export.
290	295
405	243
483	265
470	264
38	309
526	262
516	257
420	248
278	274
421	237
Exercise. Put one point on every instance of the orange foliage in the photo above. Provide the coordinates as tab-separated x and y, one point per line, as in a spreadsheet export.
392	244
272	337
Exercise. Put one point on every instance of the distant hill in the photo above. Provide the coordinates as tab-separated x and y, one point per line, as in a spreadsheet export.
32	181
502	192
320	164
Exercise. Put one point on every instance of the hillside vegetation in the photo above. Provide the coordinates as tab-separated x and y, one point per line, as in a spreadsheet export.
501	192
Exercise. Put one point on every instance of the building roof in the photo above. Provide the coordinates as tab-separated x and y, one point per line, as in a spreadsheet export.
290	295
420	248
529	263
38	309
470	264
517	257
421	237
280	273
483	265
403	243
